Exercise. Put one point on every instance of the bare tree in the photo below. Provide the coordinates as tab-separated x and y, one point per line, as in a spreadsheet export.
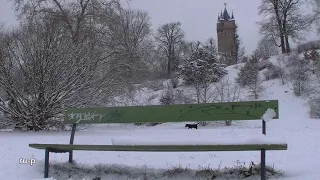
284	20
77	16
129	34
43	71
226	91
210	44
239	49
281	65
316	12
255	88
169	37
266	48
121	35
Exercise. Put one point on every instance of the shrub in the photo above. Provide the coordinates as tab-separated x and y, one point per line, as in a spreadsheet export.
181	98
174	82
155	85
298	88
248	73
308	46
273	72
167	97
298	73
245	59
203	123
249	77
201	71
201	67
228	122
313	56
314	106
152	97
263	64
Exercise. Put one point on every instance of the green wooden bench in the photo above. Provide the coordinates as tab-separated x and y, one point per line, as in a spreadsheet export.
250	110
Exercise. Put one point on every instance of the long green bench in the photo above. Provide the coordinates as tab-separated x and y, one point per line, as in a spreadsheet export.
249	110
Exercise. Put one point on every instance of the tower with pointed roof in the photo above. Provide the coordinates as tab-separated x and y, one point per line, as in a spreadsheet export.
226	33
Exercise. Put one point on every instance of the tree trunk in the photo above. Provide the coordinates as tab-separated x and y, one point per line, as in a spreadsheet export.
282	37
288	50
283	48
284	27
169	68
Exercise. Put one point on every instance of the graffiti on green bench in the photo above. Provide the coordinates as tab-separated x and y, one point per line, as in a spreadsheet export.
250	110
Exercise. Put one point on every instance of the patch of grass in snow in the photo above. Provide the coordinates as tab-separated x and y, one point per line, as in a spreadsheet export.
206	171
176	170
66	171
242	171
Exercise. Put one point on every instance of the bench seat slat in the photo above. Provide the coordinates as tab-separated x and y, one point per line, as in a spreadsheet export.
161	148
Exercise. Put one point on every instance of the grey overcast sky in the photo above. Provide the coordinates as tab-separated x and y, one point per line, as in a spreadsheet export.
198	17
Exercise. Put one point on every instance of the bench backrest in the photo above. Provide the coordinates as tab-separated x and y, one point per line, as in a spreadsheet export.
247	110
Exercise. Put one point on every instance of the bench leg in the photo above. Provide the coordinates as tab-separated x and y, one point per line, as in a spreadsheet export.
263	164
70	156
46	163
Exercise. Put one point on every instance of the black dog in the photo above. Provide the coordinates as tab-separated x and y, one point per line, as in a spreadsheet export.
190	126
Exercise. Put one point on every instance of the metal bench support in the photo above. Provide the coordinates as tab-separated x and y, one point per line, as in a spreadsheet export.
263	154
46	163
73	131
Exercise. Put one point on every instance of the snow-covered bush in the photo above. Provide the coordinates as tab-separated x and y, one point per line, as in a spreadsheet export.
308	46
170	96
226	91
298	73
263	64
174	82
152	97
201	67
273	72
181	98
155	85
201	71
249	77
248	74
167	97
256	88
313	56
314	108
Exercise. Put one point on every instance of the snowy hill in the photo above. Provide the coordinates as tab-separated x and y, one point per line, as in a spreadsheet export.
300	161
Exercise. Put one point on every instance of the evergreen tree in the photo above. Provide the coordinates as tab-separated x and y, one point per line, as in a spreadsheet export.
248	73
202	67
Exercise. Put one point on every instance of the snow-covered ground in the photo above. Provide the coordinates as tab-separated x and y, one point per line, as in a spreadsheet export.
300	161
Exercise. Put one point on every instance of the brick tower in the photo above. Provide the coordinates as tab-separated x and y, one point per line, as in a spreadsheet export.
226	33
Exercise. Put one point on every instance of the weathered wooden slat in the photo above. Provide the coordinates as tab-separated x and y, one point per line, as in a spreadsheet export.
157	148
247	110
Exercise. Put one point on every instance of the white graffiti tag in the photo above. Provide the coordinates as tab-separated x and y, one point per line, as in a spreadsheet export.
87	116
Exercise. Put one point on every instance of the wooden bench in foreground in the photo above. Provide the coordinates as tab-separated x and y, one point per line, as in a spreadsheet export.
249	110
